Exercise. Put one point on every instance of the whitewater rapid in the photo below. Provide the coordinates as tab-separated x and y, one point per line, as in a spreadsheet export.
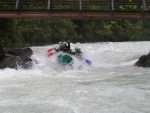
112	84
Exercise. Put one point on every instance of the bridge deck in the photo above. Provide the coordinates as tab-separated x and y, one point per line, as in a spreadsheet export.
76	14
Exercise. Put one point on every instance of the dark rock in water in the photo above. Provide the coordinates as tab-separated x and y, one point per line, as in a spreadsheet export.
17	58
25	52
2	52
144	61
16	62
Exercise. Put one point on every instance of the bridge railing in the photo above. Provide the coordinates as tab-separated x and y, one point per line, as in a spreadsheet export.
75	5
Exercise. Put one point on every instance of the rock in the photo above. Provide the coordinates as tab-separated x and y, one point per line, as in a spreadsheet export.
24	52
16	62
17	58
2	52
144	61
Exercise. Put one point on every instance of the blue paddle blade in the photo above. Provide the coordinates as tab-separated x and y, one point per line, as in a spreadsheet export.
88	62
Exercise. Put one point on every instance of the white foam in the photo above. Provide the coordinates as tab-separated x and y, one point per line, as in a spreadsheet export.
111	85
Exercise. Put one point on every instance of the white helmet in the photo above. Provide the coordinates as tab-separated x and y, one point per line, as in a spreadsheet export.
64	43
77	48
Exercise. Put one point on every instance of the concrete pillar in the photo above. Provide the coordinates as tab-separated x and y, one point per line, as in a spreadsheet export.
17	3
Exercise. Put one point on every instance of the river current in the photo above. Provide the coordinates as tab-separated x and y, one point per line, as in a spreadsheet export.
112	84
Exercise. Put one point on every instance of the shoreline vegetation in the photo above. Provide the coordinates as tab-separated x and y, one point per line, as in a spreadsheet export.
18	33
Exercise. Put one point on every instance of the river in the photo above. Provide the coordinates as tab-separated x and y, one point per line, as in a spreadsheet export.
112	84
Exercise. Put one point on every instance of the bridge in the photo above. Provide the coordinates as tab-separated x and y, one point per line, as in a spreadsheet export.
76	9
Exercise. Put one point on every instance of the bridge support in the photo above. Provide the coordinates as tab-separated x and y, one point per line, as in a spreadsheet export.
80	4
144	5
49	5
112	5
17	3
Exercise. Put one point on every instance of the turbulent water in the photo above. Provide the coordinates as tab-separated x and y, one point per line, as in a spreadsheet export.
112	84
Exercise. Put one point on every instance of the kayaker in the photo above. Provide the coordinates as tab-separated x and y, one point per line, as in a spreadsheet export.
60	48
76	52
64	47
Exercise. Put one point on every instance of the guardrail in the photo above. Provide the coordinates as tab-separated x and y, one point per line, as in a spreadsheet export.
76	9
95	5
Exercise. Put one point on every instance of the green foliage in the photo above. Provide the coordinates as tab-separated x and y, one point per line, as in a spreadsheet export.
42	32
134	30
130	5
33	32
6	32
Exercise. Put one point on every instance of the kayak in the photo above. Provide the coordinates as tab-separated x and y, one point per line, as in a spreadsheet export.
64	59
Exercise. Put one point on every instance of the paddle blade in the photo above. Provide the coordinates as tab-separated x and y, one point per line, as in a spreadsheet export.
88	61
49	50
50	54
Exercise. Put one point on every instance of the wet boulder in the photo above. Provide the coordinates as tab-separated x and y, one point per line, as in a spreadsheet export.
24	52
144	61
17	58
2	52
16	62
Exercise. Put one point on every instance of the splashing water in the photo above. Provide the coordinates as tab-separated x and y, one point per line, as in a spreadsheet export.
111	85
